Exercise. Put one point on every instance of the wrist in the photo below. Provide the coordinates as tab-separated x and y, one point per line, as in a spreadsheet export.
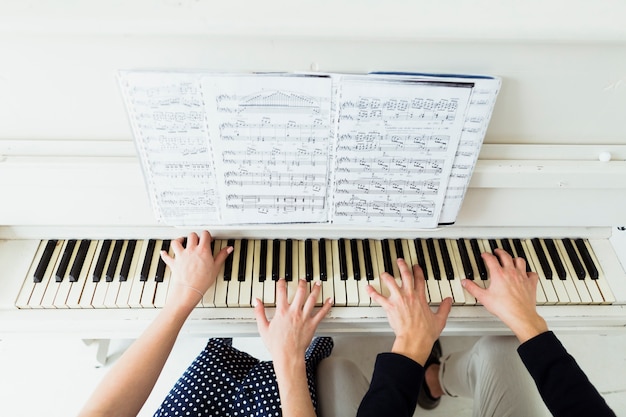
413	348
530	328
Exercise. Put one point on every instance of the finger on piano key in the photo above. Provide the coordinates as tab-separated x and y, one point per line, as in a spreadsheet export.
328	285
386	255
581	288
231	275
150	286
372	254
415	260
81	274
132	258
546	284
163	286
305	260
221	285
561	272
444	284
393	254
257	282
146	249
380	258
269	285
339	284
38	296
63	274
431	283
90	284
292	258
484	246
352	289
310	248
245	278
462	263
455	276
594	269
520	250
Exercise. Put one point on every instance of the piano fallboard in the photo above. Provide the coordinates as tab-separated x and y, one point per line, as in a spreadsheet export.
17	256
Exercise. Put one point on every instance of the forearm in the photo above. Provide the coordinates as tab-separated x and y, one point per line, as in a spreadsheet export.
126	387
293	387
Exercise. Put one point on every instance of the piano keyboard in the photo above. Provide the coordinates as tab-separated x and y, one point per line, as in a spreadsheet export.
130	273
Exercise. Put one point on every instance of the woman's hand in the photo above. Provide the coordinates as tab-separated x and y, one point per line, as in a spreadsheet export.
194	269
416	327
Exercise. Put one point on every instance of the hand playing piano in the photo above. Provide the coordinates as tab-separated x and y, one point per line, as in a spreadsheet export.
511	296
286	336
415	325
194	269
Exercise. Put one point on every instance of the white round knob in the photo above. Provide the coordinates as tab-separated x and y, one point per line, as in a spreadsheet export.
604	156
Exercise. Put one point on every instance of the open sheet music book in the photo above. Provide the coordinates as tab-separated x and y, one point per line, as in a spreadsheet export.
383	149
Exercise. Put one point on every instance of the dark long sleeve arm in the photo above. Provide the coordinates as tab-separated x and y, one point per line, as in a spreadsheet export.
564	387
395	385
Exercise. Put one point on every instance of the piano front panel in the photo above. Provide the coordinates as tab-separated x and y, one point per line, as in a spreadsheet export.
129	274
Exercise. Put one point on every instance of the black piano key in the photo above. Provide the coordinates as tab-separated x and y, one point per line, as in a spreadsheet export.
79	261
308	260
128	259
556	259
506	245
356	265
263	261
574	259
465	260
44	261
228	264
243	261
399	251
102	257
541	256
115	256
65	260
447	262
322	258
434	262
343	263
480	264
493	244
289	260
147	261
386	256
587	260
421	259
275	259
160	272
519	249
367	257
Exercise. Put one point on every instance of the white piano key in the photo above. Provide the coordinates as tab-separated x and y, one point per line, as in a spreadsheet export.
458	292
232	295
460	272
208	299
352	290
221	286
432	284
375	283
150	285
257	284
73	299
99	295
339	284
540	294
292	286
37	298
413	259
52	289
60	299
444	284
546	284
29	284
601	282
269	286
90	286
384	290
394	261
559	286
315	263
110	299
581	288
134	299
162	289
328	286
364	298
126	286
590	284
245	287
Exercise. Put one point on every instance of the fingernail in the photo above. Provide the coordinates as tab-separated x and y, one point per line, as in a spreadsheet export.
463	283
229	249
318	283
331	301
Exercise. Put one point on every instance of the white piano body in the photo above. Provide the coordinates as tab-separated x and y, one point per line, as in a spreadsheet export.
68	167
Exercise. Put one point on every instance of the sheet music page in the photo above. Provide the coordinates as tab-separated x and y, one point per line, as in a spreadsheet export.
270	136
482	102
396	142
166	112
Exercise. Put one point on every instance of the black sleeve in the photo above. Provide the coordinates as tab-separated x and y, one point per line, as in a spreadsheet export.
394	388
563	386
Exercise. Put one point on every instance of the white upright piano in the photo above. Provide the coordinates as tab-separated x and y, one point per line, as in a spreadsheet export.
551	176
